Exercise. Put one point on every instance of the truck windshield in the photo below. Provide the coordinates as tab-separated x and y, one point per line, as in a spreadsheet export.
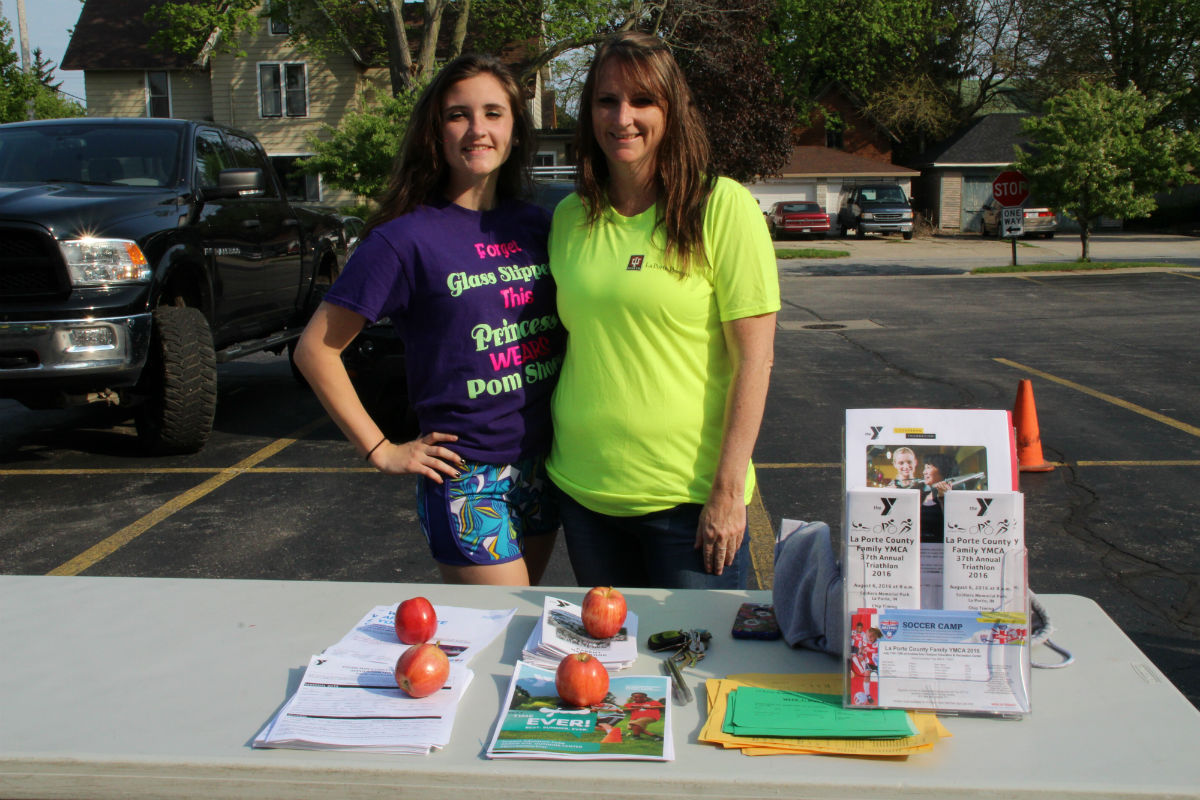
883	194
79	152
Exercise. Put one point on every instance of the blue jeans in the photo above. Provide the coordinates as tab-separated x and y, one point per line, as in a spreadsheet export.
655	550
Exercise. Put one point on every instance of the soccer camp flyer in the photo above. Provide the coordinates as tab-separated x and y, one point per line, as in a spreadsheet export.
963	661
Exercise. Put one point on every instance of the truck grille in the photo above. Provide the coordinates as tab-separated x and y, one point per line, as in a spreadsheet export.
30	264
887	217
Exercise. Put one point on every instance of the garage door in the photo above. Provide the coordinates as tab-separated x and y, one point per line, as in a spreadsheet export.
976	191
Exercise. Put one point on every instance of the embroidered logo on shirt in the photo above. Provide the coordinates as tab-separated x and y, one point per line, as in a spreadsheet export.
635	263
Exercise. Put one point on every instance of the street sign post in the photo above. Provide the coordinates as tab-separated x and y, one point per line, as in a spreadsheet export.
1011	190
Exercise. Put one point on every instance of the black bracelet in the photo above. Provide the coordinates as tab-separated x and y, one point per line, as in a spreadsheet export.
367	457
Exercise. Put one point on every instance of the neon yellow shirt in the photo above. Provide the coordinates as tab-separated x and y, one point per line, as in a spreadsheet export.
640	403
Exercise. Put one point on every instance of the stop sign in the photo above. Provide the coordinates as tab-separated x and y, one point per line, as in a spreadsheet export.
1010	188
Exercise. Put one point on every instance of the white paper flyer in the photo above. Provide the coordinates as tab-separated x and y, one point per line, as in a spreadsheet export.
985	566
882	566
961	661
936	452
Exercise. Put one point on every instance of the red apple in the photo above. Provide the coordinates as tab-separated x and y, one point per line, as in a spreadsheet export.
422	669
603	612
581	680
416	621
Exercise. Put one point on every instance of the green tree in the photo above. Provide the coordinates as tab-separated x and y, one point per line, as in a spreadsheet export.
862	44
17	87
357	155
1151	44
718	44
1094	154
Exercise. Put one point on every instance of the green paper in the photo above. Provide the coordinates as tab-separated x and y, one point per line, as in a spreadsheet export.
751	711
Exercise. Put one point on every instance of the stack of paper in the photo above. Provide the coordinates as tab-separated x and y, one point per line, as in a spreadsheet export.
633	722
344	704
349	700
560	632
775	714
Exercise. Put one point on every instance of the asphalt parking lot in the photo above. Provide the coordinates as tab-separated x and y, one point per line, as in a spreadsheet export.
1113	357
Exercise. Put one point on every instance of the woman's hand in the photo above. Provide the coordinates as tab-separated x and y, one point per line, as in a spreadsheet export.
719	535
422	456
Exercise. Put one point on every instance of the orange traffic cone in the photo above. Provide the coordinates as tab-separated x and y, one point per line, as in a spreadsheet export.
1029	438
613	736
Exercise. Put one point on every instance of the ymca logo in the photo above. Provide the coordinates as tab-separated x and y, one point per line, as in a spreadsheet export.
888	502
635	263
875	431
984	503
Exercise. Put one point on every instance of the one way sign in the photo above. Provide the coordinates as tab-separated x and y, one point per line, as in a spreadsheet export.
1012	221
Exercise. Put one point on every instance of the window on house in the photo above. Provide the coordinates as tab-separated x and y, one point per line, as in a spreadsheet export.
278	11
833	138
158	94
543	159
296	184
282	90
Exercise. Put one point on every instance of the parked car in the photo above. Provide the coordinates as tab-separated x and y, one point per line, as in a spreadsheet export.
1039	220
802	217
136	255
876	208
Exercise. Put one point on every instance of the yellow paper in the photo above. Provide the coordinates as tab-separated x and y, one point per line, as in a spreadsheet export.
929	727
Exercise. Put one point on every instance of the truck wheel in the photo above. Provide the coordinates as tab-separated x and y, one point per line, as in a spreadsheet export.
179	383
859	233
906	234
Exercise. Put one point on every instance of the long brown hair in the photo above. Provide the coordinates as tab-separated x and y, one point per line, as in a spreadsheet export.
683	177
420	172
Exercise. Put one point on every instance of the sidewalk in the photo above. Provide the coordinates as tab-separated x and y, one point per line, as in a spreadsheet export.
969	251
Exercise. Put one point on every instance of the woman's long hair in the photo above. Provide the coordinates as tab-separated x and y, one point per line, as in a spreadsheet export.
420	172
683	177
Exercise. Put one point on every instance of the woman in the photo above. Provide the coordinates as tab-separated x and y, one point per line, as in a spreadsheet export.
458	263
667	286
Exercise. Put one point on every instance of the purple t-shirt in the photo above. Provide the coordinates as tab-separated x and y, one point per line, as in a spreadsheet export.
471	296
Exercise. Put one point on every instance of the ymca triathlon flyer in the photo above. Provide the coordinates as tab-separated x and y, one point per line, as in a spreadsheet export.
633	722
936	452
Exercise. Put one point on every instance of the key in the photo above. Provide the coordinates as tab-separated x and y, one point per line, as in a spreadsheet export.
680	689
667	640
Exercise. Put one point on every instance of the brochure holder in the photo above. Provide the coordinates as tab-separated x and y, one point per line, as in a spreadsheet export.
934	558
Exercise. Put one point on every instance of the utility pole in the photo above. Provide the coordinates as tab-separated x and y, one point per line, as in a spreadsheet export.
25	59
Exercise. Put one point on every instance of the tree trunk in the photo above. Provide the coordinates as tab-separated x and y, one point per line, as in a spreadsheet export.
429	36
400	65
460	28
1084	235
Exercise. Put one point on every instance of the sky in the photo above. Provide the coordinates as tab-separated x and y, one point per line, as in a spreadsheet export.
49	23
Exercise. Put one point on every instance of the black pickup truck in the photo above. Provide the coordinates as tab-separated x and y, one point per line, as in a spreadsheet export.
136	255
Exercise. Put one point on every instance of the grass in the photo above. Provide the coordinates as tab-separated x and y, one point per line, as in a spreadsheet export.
1075	266
809	252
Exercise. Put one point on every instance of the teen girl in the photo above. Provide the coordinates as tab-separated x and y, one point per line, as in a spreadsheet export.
458	262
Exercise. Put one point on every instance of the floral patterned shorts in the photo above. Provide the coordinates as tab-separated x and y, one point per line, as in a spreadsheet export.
483	516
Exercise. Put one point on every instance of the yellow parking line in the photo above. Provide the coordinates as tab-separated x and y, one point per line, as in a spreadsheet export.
1187	275
127	534
762	542
1108	398
800	465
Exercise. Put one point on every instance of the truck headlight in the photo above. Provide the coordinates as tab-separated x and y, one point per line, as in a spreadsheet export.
906	215
99	262
868	215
